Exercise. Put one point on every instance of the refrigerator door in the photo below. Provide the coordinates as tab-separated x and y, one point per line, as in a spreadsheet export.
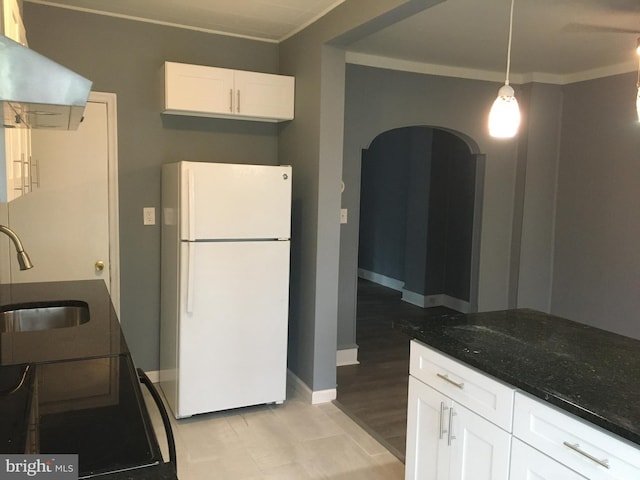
233	325
228	201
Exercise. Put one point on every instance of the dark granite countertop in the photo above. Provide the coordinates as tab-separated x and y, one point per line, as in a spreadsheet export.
86	390
100	336
591	373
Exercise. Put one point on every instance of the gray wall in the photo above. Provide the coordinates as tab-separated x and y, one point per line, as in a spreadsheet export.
596	274
451	215
312	143
405	99
384	195
124	57
534	203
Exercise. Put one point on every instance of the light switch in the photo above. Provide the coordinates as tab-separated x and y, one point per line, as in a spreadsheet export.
343	215
149	215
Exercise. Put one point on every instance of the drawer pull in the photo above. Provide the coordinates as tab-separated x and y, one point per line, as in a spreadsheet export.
446	378
576	447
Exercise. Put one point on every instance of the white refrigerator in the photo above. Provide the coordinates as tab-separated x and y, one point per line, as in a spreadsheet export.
224	285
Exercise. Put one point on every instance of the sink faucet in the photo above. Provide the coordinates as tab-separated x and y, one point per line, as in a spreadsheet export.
23	259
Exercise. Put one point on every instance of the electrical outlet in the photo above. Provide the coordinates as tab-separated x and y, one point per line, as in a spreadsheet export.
343	215
149	215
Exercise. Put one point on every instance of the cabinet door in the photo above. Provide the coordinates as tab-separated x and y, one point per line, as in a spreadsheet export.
264	95
17	154
192	89
12	25
479	449
427	454
527	463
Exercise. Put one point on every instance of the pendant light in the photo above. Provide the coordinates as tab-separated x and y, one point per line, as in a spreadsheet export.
504	118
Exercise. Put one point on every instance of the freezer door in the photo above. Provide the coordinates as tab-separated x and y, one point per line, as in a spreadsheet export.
227	201
233	325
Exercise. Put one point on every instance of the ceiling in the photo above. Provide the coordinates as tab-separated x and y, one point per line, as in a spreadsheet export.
553	40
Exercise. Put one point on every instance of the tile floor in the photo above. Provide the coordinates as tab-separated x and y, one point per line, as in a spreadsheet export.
296	441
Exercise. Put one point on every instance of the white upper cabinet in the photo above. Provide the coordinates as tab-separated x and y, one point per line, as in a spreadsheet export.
220	92
15	143
12	25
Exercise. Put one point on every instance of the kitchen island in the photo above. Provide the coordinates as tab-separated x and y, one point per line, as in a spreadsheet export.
74	389
520	361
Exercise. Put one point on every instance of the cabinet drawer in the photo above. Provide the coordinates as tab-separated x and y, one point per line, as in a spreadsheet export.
581	446
484	395
529	463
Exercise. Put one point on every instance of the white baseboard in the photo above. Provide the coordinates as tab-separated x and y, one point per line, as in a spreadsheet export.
347	356
441	300
308	395
414	298
380	279
154	375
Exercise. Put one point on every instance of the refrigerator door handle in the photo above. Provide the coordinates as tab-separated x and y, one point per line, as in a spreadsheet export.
191	264
191	204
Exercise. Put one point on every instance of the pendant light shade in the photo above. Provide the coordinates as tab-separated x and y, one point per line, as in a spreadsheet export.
504	118
638	103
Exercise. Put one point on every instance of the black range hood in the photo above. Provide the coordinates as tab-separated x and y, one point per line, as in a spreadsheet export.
36	92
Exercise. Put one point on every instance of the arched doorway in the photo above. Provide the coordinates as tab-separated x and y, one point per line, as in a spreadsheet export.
419	235
418	216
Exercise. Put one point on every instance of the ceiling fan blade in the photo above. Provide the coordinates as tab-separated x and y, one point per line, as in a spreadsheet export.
587	28
611	5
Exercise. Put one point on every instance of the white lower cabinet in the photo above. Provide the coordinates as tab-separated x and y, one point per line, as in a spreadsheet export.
527	463
448	441
463	424
428	454
583	447
445	439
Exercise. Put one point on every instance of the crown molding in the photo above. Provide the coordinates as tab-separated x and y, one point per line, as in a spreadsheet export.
390	63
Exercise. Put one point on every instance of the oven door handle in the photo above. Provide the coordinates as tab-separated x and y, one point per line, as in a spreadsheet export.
171	444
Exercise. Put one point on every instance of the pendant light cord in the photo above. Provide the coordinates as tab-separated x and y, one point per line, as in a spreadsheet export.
509	43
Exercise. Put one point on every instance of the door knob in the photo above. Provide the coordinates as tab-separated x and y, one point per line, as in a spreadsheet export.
99	266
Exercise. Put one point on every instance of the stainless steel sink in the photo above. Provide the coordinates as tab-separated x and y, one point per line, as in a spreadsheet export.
28	317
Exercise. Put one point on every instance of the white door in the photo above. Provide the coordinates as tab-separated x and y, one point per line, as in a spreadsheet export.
428	454
233	325
64	224
229	201
480	450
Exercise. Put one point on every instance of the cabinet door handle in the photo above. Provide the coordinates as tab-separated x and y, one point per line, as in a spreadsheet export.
23	174
238	105
34	172
446	378
451	436
576	448
231	100
443	408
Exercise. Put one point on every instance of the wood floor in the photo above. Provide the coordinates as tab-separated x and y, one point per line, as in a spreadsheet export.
374	392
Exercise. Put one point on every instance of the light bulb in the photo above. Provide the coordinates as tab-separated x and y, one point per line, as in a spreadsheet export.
504	118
